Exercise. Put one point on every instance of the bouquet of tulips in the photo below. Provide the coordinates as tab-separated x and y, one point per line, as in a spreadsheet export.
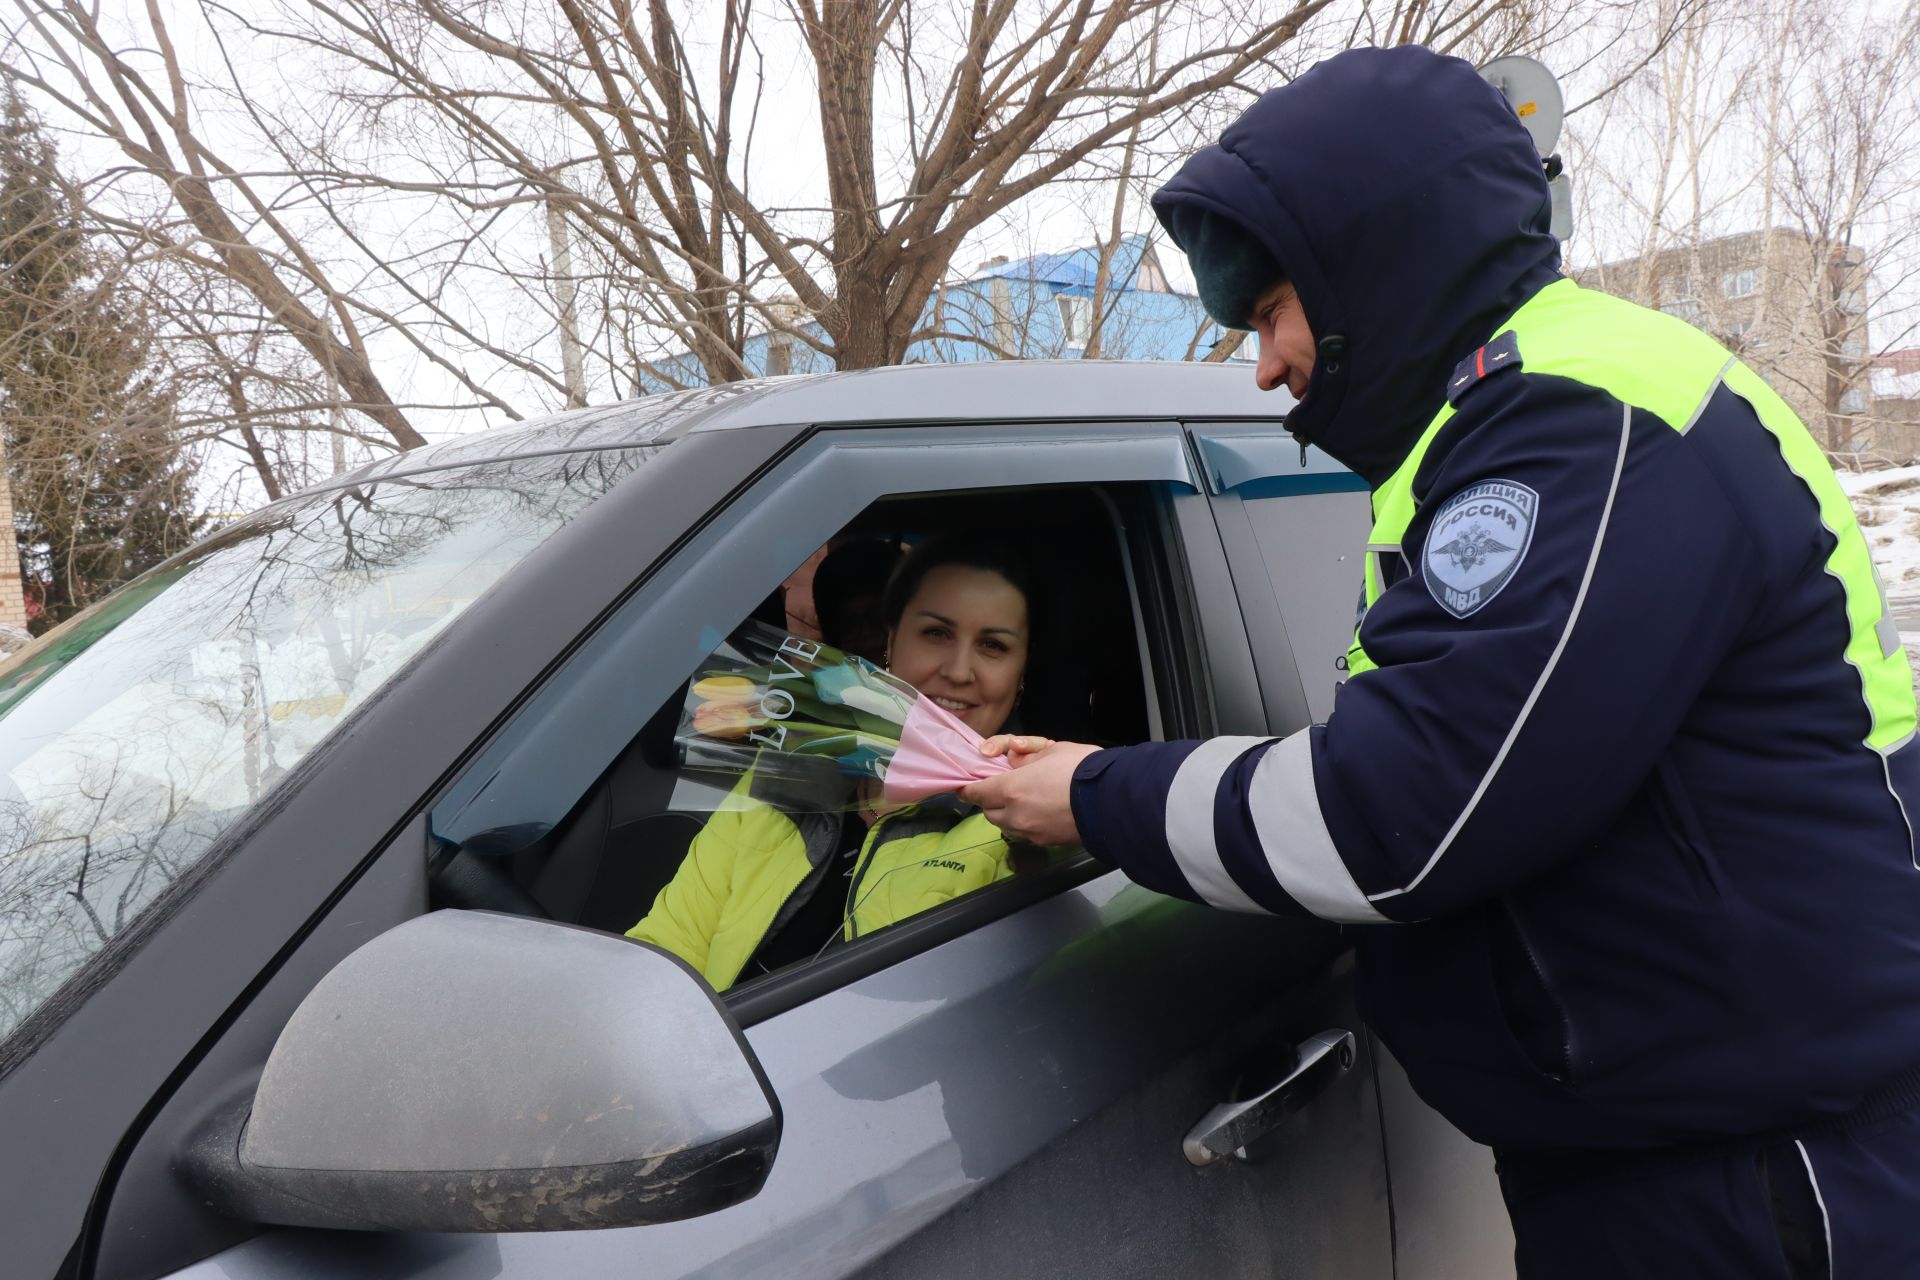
793	710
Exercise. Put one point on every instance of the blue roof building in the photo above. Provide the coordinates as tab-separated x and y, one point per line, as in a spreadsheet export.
1038	308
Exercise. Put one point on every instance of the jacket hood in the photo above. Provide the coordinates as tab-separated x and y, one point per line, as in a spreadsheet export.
1406	202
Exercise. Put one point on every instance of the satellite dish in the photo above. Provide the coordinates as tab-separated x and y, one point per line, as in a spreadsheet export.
1534	94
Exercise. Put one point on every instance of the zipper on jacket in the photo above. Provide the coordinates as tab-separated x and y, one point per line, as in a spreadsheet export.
847	929
1565	1074
817	877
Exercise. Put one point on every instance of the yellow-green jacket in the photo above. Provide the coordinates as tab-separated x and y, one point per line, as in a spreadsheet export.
752	866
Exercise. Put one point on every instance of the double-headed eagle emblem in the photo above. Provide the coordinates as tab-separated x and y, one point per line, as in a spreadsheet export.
1472	548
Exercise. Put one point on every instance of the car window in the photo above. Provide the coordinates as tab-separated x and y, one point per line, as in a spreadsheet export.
816	791
746	826
137	732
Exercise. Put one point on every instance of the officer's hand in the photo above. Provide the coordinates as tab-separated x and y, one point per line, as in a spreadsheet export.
1033	800
1014	746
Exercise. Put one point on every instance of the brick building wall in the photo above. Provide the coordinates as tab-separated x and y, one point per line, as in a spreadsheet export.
1792	308
1896	406
1896	435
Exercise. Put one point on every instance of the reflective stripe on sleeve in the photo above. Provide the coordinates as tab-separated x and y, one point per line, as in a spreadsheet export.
1889	632
1293	835
1190	831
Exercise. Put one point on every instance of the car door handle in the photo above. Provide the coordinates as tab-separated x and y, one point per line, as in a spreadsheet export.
1229	1127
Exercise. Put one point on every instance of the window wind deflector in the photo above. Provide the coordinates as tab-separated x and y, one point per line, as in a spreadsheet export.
1262	460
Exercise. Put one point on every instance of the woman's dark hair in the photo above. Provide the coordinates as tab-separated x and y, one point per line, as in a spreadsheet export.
989	552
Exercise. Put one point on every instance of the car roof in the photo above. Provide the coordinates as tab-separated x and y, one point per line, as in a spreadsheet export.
987	390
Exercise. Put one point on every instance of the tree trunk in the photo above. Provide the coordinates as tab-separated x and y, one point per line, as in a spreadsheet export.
862	336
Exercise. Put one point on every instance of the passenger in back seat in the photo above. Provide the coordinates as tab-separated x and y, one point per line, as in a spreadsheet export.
849	590
763	887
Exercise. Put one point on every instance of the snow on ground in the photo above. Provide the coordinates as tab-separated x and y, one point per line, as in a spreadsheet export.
1888	506
1887	478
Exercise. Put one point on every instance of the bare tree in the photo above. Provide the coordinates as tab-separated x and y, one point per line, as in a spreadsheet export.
1673	172
1844	172
150	115
520	202
1759	176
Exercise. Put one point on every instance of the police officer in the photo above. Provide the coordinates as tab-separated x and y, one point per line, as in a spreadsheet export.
1618	792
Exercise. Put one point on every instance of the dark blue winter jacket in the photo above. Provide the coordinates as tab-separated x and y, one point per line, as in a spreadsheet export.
1619	803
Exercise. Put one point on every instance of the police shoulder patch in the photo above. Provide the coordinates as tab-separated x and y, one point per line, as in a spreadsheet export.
1476	543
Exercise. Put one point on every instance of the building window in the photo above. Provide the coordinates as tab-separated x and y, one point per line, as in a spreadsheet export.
1740	284
1076	318
1854	401
1738	329
1685	308
1851	349
1852	301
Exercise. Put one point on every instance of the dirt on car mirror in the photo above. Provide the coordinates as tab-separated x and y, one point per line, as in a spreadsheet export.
468	1071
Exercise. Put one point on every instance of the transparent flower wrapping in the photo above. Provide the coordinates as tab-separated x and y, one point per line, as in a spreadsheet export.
810	722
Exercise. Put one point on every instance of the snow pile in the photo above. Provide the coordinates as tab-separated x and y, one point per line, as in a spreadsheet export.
1887	504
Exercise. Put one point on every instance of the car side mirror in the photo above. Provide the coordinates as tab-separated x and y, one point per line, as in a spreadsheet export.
476	1072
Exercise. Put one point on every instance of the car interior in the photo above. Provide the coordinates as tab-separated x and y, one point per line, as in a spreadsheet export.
1086	681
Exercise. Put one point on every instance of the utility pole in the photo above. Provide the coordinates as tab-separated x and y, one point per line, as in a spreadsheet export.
572	357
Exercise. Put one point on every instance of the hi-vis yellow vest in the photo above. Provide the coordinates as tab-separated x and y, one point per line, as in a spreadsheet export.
1669	369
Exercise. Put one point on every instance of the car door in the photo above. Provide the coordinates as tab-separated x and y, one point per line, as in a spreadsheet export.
1294	526
1001	1086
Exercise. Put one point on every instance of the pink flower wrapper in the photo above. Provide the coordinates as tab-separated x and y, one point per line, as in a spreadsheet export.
938	753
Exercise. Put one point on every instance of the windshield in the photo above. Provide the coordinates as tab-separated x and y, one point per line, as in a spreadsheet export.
135	733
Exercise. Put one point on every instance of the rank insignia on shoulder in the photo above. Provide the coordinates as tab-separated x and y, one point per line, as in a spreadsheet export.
1502	353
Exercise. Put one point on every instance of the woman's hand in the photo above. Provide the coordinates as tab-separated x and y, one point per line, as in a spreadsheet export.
1033	800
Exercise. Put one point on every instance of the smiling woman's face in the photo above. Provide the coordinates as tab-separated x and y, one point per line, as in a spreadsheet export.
962	641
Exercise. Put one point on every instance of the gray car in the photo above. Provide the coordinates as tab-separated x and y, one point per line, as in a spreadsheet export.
317	842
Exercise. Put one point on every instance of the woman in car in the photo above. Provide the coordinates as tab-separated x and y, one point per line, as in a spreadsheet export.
764	886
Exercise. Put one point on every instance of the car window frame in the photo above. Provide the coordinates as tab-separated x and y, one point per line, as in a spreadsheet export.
523	776
1170	551
830	477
